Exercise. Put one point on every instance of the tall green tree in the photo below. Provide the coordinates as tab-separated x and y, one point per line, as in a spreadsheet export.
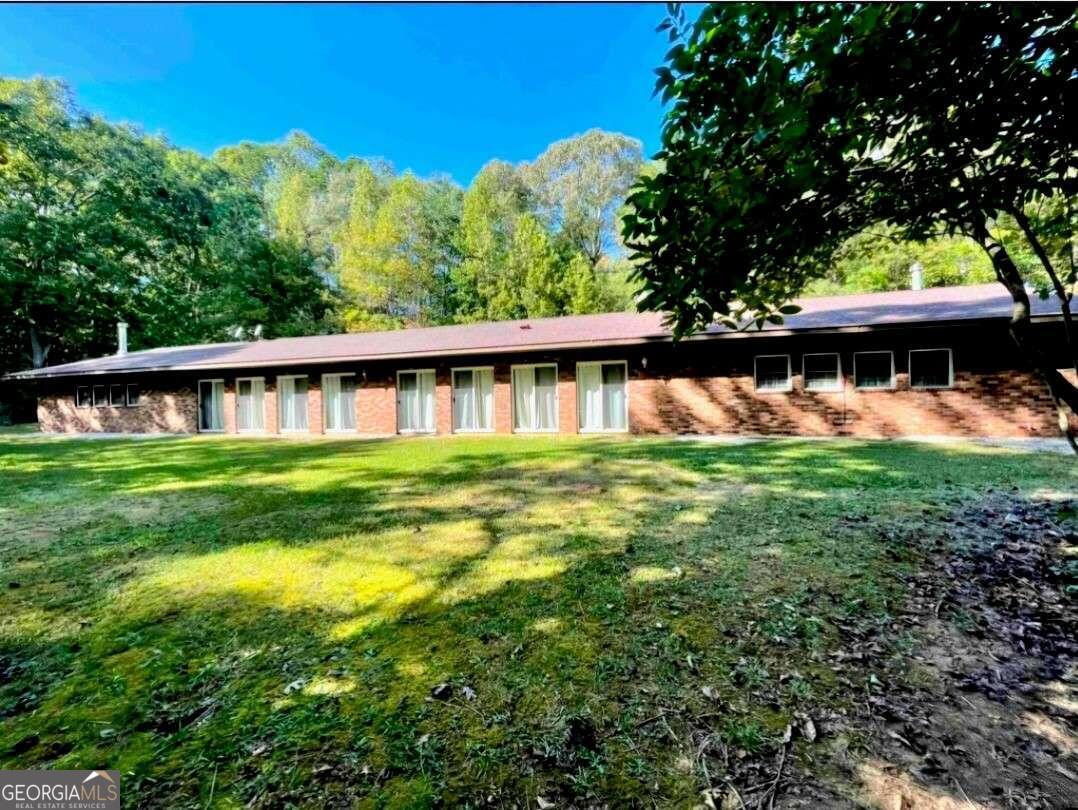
580	184
792	128
100	223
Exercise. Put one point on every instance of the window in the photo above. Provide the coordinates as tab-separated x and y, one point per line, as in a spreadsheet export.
473	399
83	398
101	396
602	396
773	373
339	401
250	404
132	395
292	394
931	368
116	395
874	370
535	398
211	405
415	401
822	372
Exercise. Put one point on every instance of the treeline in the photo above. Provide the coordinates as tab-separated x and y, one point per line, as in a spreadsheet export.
100	222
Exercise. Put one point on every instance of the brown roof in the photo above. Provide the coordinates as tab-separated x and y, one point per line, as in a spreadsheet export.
834	313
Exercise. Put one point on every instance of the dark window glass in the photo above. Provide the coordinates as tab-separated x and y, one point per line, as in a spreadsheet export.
116	395
773	373
82	397
930	368
822	372
873	369
132	394
101	396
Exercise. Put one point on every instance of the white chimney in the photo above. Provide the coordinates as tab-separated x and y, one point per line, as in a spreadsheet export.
917	276
121	338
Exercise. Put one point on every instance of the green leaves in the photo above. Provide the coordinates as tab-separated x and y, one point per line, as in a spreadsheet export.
791	129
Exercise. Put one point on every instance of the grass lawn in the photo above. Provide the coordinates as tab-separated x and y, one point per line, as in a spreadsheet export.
414	622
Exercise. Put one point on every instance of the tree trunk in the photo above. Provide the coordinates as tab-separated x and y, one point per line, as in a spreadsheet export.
39	352
1063	391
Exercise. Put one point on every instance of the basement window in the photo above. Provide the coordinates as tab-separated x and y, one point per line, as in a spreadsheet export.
101	396
773	373
83	397
117	398
874	370
931	368
822	372
132	395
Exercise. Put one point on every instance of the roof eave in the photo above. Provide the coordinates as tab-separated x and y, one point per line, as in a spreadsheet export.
36	374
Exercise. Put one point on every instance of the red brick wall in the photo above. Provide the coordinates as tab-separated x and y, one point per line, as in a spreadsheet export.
158	411
696	387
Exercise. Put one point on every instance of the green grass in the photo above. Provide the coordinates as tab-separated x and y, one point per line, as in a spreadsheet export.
231	622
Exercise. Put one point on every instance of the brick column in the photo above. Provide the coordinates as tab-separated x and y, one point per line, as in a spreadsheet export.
314	404
443	403
229	406
567	398
376	407
270	406
503	400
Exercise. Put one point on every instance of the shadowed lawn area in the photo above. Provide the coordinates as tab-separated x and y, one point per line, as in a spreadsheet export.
268	622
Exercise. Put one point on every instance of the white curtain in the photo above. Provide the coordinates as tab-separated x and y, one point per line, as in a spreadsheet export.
415	401
250	408
407	401
523	398
473	399
464	400
484	395
293	393
346	403
331	386
614	396
546	398
589	396
426	400
258	404
211	405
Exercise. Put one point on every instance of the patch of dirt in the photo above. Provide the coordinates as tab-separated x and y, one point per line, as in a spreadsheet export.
983	710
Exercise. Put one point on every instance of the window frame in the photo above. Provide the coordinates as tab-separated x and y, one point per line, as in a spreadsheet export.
840	383
893	383
280	402
950	369
756	375
198	404
413	431
600	363
325	404
453	398
263	404
93	399
513	399
89	397
123	395
127	395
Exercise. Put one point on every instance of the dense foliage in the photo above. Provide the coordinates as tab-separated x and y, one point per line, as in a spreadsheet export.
794	128
101	223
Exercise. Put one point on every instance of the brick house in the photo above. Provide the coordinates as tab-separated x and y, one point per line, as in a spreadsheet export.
927	362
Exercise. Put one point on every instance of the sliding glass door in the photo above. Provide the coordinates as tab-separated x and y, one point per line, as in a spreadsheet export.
250	404
211	405
535	399
292	405
473	399
602	397
339	401
415	401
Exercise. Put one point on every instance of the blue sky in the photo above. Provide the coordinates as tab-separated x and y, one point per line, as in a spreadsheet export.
431	88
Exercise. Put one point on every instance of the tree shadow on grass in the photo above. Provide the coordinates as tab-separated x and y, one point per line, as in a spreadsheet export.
289	638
